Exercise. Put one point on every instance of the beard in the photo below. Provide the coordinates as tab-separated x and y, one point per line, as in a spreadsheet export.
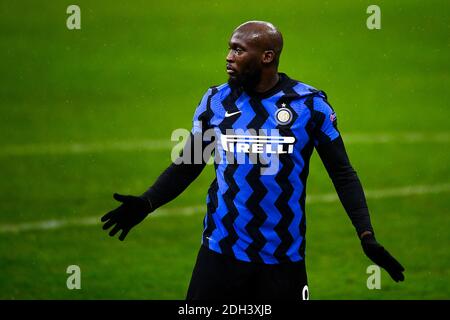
246	80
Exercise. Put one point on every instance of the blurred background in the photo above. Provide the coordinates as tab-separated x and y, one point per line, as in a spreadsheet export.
85	113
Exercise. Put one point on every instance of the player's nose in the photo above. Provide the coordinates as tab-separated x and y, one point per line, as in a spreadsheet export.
230	56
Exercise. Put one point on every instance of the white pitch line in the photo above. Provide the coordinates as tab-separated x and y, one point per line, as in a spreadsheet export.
385	193
405	191
155	145
79	148
405	137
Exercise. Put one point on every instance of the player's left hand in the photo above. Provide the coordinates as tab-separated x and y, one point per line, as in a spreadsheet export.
131	212
382	257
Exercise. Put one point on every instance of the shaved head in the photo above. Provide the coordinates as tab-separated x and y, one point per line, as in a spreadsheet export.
263	35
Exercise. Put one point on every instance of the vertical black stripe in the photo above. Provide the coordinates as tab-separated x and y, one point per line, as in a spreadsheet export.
282	178
310	127
259	191
229	104
306	155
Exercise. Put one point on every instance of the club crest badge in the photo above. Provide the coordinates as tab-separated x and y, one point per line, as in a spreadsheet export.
283	116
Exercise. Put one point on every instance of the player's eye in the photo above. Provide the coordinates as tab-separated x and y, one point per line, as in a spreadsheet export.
236	51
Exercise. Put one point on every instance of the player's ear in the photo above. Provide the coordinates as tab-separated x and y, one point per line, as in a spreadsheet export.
268	56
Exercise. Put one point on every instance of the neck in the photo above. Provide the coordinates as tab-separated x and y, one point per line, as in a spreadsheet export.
268	81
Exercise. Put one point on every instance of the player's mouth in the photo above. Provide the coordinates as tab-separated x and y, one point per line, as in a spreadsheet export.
230	70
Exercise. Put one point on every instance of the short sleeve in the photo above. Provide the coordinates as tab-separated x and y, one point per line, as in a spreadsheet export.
200	122
325	121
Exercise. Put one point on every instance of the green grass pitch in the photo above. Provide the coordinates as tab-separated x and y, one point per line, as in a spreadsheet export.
136	71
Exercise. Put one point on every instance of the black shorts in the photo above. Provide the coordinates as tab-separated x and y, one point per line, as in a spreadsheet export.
218	277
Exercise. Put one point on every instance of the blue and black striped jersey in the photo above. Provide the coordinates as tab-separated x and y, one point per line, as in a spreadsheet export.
253	214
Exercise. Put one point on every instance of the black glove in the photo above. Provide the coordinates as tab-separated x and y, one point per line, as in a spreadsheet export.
131	212
382	258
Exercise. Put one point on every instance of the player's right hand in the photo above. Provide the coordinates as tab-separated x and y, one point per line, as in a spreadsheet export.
131	212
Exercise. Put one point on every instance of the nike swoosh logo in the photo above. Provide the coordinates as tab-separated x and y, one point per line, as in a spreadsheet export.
231	114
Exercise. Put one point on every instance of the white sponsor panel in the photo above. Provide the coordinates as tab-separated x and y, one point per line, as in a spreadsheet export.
258	144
